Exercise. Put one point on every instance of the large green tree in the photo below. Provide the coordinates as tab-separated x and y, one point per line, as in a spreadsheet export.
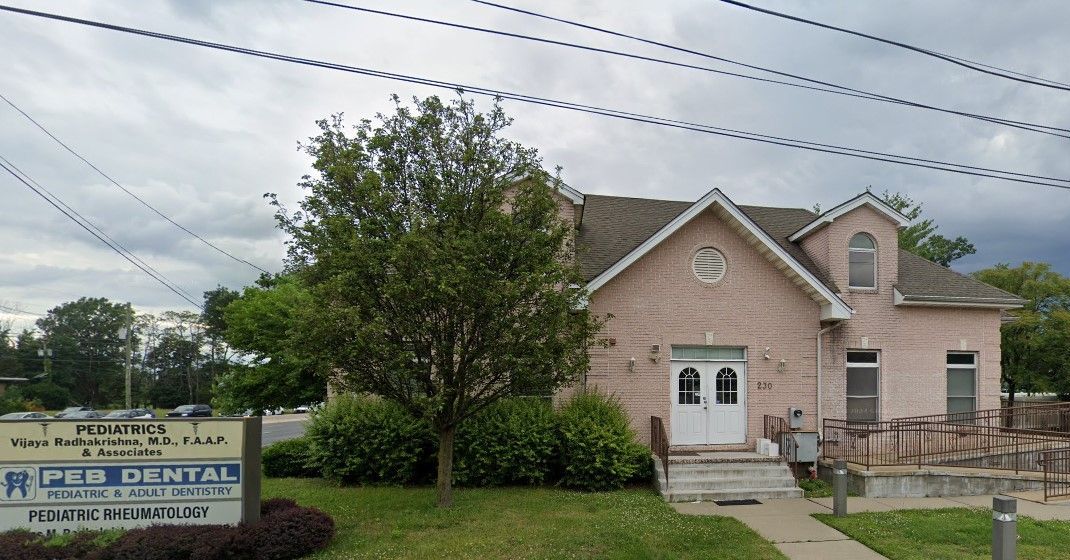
921	238
263	323
87	353
1036	344
438	279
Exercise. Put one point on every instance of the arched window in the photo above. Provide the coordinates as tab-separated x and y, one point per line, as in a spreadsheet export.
726	389
862	262
690	386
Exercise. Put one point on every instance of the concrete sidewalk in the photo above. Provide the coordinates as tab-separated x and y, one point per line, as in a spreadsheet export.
789	525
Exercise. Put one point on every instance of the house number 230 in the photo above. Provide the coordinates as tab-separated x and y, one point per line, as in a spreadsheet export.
765	385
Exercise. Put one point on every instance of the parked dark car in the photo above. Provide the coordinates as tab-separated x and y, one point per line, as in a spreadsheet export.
132	413
84	414
24	416
66	412
191	410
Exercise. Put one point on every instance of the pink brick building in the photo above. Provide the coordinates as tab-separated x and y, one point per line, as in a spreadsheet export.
720	313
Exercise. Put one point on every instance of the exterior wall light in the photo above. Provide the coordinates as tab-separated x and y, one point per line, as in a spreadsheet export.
631	364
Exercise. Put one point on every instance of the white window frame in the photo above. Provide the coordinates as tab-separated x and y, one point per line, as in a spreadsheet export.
872	251
876	364
975	367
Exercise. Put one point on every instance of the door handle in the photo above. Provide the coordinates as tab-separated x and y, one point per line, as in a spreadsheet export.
705	404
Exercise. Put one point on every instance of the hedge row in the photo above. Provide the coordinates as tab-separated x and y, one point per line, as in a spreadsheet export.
587	444
285	531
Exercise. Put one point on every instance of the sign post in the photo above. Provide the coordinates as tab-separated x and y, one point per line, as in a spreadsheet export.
61	475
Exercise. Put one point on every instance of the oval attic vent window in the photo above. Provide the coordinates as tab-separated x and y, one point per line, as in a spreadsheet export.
709	265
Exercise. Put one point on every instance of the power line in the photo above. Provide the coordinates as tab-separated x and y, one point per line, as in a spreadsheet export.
845	90
95	234
822	86
17	310
124	189
92	225
590	109
965	63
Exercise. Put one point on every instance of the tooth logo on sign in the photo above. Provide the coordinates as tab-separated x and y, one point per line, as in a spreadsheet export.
17	484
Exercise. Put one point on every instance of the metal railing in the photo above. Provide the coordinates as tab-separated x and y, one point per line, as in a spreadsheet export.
1050	417
909	441
1056	466
659	443
775	428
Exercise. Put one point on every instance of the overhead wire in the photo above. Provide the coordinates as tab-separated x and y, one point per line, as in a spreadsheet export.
91	224
963	169
959	61
838	89
125	190
100	236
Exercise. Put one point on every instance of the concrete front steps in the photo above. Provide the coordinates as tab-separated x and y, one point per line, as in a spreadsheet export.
710	476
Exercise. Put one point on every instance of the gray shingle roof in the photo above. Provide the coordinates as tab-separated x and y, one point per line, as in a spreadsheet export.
613	226
924	280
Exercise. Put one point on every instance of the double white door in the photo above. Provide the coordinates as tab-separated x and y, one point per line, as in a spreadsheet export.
708	403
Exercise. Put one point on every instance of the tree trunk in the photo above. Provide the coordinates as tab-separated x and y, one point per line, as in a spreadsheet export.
444	483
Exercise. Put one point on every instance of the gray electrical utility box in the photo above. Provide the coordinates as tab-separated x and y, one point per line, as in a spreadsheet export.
795	418
807	450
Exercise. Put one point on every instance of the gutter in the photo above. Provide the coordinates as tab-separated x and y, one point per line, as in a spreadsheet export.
821	333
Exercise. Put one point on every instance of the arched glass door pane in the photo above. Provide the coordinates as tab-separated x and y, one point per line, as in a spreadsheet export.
690	390
726	389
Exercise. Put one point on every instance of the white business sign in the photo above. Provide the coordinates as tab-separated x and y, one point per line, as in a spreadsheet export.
64	475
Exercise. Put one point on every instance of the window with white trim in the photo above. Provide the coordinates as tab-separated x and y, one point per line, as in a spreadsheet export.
862	262
961	382
863	385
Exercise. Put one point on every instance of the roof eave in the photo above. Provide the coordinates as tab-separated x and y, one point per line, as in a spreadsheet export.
918	300
863	199
568	192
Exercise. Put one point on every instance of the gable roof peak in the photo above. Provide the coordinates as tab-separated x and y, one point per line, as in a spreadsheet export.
865	199
833	307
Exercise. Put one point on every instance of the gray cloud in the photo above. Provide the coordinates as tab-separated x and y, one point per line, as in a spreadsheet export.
202	135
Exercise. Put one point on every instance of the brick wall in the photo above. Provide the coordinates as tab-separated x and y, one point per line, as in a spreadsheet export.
658	300
913	341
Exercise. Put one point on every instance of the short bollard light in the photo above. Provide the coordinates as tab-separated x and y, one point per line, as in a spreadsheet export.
1004	528
839	488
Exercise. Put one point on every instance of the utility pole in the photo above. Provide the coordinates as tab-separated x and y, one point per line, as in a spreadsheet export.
128	334
46	353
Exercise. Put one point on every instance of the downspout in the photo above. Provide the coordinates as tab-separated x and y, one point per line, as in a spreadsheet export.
821	333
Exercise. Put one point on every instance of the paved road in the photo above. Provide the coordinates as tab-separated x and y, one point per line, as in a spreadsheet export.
277	428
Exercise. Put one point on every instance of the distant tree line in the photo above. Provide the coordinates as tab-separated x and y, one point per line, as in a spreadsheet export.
76	356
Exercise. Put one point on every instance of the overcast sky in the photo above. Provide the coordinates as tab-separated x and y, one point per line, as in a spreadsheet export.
202	135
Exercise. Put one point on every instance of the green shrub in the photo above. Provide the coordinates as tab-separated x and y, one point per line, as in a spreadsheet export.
643	460
369	440
597	445
289	457
514	441
50	395
13	401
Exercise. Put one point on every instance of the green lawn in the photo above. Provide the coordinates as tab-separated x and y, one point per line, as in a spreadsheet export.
957	533
386	522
